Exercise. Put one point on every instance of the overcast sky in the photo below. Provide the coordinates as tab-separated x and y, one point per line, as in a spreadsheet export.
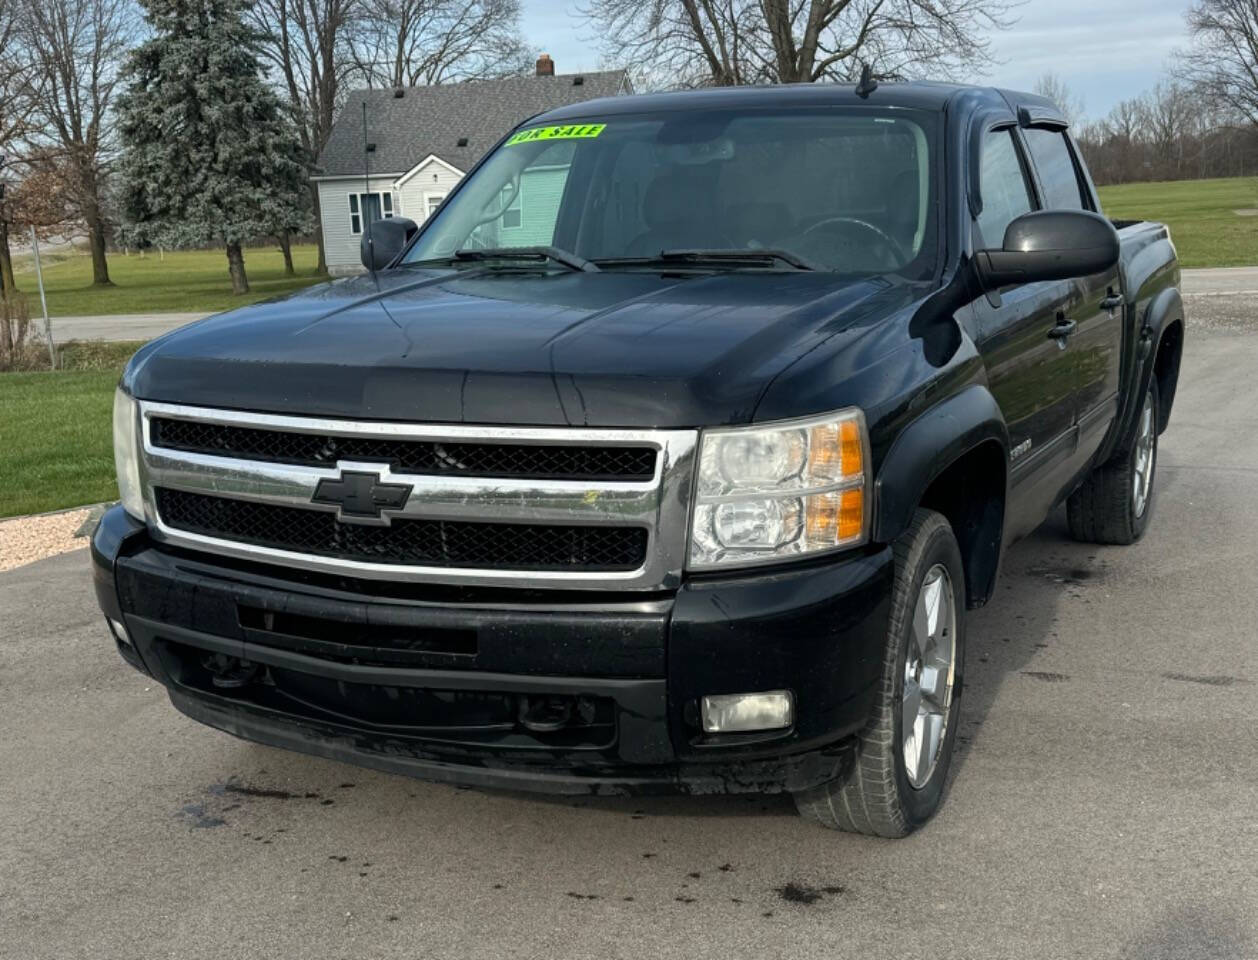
1106	50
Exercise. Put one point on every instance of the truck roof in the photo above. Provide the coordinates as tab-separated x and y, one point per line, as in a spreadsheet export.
919	94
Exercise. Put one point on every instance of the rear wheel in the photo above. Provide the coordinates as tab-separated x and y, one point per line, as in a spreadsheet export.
897	780
1113	504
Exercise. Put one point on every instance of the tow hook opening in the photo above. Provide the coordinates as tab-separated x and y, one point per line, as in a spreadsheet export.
231	673
551	713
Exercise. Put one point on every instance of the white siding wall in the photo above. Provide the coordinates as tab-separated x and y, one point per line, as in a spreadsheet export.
541	191
341	245
432	180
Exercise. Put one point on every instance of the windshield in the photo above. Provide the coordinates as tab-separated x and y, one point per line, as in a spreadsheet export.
848	190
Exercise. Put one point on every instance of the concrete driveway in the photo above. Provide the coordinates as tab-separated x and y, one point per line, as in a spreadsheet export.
120	327
1104	803
1221	281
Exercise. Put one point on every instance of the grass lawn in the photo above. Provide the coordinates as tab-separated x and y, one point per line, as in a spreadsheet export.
186	281
57	440
56	431
1207	230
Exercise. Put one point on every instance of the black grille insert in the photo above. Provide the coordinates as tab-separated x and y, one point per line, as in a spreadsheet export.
413	542
534	461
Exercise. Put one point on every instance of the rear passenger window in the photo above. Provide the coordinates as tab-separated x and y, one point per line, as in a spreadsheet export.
1056	168
1002	186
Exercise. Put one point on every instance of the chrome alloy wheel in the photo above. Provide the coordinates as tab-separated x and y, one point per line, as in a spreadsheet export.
1146	452
929	671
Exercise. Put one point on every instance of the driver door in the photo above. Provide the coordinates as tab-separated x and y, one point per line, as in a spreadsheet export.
1028	371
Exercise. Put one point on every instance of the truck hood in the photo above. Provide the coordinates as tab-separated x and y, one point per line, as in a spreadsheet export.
505	347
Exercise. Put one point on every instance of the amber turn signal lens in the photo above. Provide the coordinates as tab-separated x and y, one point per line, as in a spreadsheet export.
850	443
851	515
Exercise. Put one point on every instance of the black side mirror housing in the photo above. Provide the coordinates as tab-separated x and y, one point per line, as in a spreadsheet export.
384	239
1049	245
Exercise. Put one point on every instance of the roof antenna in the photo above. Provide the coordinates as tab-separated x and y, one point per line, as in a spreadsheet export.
365	204
867	83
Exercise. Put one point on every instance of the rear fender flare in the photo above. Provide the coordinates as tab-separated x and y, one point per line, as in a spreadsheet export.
925	448
1165	308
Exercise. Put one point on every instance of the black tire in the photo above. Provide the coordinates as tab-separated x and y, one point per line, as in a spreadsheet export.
876	796
1106	508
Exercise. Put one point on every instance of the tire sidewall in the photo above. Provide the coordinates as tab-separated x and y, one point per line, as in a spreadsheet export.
919	804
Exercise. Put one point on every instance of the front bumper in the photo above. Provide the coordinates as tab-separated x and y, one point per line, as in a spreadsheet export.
435	682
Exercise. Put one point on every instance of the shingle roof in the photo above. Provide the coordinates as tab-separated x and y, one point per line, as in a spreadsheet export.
431	120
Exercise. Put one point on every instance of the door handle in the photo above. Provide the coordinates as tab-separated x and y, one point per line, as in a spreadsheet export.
1063	329
1112	302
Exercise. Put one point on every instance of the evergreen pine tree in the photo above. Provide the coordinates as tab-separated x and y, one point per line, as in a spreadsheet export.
208	154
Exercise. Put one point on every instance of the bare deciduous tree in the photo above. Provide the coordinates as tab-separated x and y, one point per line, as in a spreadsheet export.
1053	87
1223	58
726	42
75	50
308	43
407	43
1170	117
14	115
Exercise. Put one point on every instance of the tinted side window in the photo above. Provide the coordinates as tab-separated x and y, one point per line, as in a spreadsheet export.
1053	163
1003	187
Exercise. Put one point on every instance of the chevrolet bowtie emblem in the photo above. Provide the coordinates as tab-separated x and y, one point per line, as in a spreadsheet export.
361	496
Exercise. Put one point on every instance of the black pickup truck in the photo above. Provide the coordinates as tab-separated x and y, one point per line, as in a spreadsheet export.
669	454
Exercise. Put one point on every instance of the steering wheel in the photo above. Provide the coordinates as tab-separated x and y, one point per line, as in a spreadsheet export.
852	226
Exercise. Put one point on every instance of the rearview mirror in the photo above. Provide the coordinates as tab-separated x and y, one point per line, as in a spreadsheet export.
1049	245
383	240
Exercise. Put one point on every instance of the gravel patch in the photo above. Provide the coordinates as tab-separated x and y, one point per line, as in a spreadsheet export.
1231	312
24	540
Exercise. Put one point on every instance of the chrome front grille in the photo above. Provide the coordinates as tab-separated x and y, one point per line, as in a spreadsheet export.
569	507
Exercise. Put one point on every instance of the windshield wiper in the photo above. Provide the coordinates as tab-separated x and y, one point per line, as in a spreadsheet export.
718	257
564	257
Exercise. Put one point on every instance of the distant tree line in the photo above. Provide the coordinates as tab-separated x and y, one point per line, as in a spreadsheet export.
1173	132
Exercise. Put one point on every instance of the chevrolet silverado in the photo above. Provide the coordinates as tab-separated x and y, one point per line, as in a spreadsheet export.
668	454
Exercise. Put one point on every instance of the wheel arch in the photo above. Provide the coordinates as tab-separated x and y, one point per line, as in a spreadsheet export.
953	459
1166	367
1160	349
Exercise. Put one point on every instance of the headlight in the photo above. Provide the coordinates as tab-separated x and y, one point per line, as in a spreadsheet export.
773	493
127	454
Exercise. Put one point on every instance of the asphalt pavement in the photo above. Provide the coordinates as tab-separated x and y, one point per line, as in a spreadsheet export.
1104	803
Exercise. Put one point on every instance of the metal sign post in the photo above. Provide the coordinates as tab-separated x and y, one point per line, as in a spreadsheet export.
39	277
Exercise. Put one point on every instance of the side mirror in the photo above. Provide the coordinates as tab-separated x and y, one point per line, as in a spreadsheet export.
384	239
1049	245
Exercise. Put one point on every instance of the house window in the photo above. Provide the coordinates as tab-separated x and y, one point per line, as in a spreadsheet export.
513	216
543	181
432	201
378	206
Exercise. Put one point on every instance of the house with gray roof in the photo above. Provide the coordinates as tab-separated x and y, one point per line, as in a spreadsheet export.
419	143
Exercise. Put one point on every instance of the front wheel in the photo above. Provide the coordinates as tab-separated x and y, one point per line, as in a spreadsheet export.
1113	504
896	782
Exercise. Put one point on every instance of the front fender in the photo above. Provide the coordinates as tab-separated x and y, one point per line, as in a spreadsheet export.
925	448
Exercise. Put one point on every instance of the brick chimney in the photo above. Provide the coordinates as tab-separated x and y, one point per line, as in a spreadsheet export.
545	66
